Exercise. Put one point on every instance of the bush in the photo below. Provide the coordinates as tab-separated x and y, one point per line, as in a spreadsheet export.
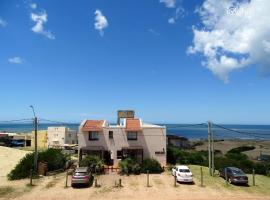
129	166
241	149
54	158
175	155
22	169
151	165
94	162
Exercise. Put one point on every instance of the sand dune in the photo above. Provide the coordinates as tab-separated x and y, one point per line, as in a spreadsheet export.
9	157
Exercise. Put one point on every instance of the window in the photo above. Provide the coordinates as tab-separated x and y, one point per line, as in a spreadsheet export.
119	154
110	134
132	135
159	152
93	135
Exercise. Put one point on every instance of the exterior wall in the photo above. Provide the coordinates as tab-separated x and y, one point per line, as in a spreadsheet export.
151	139
59	136
41	139
71	137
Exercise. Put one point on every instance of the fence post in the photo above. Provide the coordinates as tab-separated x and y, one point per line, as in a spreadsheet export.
147	178
96	182
175	180
226	176
201	177
120	182
67	178
253	176
31	177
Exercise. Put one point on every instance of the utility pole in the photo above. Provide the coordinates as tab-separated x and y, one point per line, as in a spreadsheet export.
35	132
213	151
209	148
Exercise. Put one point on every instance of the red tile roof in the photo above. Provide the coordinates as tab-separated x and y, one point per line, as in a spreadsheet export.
93	125
133	125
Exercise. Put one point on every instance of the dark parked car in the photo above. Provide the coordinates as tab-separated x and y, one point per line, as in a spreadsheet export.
17	143
234	175
81	176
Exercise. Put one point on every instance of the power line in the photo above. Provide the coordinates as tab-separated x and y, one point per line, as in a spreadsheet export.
189	125
15	120
241	132
56	122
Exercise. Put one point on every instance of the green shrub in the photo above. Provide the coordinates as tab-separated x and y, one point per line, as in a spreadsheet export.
241	149
129	166
22	169
94	162
151	165
175	155
54	158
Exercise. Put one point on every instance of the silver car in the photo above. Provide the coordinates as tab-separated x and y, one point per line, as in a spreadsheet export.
81	176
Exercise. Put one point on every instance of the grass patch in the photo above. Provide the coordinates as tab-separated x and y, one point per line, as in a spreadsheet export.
6	190
262	182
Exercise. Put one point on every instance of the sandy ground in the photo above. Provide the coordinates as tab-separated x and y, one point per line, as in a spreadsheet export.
134	187
9	157
224	146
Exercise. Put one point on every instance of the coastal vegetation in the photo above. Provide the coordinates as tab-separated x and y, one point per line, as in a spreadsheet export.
130	166
54	158
93	162
233	157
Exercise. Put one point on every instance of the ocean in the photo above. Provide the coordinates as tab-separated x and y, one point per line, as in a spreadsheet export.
260	132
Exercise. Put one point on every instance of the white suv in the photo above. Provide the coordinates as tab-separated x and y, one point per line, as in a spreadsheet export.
182	173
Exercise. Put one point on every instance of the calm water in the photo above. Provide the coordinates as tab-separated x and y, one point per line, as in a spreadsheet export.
192	132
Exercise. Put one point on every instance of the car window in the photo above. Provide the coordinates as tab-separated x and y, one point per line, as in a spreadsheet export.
184	170
238	171
79	173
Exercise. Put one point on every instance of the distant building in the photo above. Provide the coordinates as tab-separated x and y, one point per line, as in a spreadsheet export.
177	141
41	139
61	136
25	138
131	138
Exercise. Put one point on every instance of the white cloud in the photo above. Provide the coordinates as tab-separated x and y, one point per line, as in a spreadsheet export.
100	22
154	32
3	23
16	60
40	19
33	6
171	20
179	12
169	3
266	46
234	35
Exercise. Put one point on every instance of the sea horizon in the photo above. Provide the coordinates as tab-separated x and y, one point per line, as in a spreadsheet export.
190	131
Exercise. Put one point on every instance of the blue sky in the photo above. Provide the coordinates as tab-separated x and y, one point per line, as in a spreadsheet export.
137	59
